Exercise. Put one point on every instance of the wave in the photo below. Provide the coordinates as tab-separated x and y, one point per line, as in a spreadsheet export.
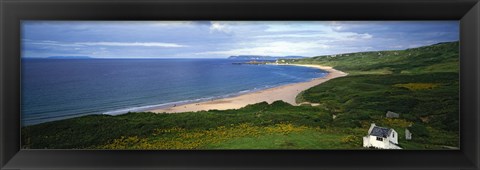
171	104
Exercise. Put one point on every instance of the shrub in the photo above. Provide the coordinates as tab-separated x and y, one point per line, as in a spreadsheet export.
351	139
419	130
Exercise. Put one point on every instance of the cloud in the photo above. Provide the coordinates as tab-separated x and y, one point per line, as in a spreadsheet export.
329	36
278	48
289	36
219	27
362	36
219	39
51	43
338	28
120	44
143	44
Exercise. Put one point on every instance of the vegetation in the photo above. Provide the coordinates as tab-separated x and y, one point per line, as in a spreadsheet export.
421	84
173	130
442	57
369	97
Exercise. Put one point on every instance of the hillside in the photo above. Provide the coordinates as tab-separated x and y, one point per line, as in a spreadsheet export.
441	57
421	84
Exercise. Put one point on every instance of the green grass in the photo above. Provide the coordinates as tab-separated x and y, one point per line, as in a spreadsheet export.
442	57
88	131
310	139
421	84
374	95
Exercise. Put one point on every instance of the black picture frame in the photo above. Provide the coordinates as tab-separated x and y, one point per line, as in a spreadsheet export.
13	11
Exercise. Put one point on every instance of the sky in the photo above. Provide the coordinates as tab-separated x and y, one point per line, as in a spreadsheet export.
221	39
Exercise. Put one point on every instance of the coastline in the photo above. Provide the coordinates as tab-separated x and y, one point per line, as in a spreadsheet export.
287	93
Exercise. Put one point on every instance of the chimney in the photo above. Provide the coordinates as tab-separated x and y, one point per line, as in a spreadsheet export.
371	127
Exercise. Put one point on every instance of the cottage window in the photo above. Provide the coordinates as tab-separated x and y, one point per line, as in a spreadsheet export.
379	139
393	134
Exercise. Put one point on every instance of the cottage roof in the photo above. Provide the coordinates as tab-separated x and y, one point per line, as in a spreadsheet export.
380	131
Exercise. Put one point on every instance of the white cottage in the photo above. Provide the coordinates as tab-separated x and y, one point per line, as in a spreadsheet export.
381	137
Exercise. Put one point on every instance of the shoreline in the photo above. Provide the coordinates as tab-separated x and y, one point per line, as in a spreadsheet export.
287	93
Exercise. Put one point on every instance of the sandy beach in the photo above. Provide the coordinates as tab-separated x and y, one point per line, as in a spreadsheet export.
286	93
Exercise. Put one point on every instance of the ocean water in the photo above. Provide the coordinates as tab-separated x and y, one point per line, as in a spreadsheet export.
54	89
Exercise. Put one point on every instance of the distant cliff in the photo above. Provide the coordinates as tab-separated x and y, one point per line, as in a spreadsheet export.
260	57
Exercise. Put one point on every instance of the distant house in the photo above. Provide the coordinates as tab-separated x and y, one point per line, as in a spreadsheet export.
391	114
408	134
381	138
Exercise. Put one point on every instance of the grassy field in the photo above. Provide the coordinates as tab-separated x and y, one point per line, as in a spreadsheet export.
421	84
442	57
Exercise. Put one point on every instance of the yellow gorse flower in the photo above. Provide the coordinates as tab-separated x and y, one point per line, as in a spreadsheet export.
196	139
418	86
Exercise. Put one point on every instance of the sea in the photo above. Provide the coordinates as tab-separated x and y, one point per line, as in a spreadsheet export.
55	89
